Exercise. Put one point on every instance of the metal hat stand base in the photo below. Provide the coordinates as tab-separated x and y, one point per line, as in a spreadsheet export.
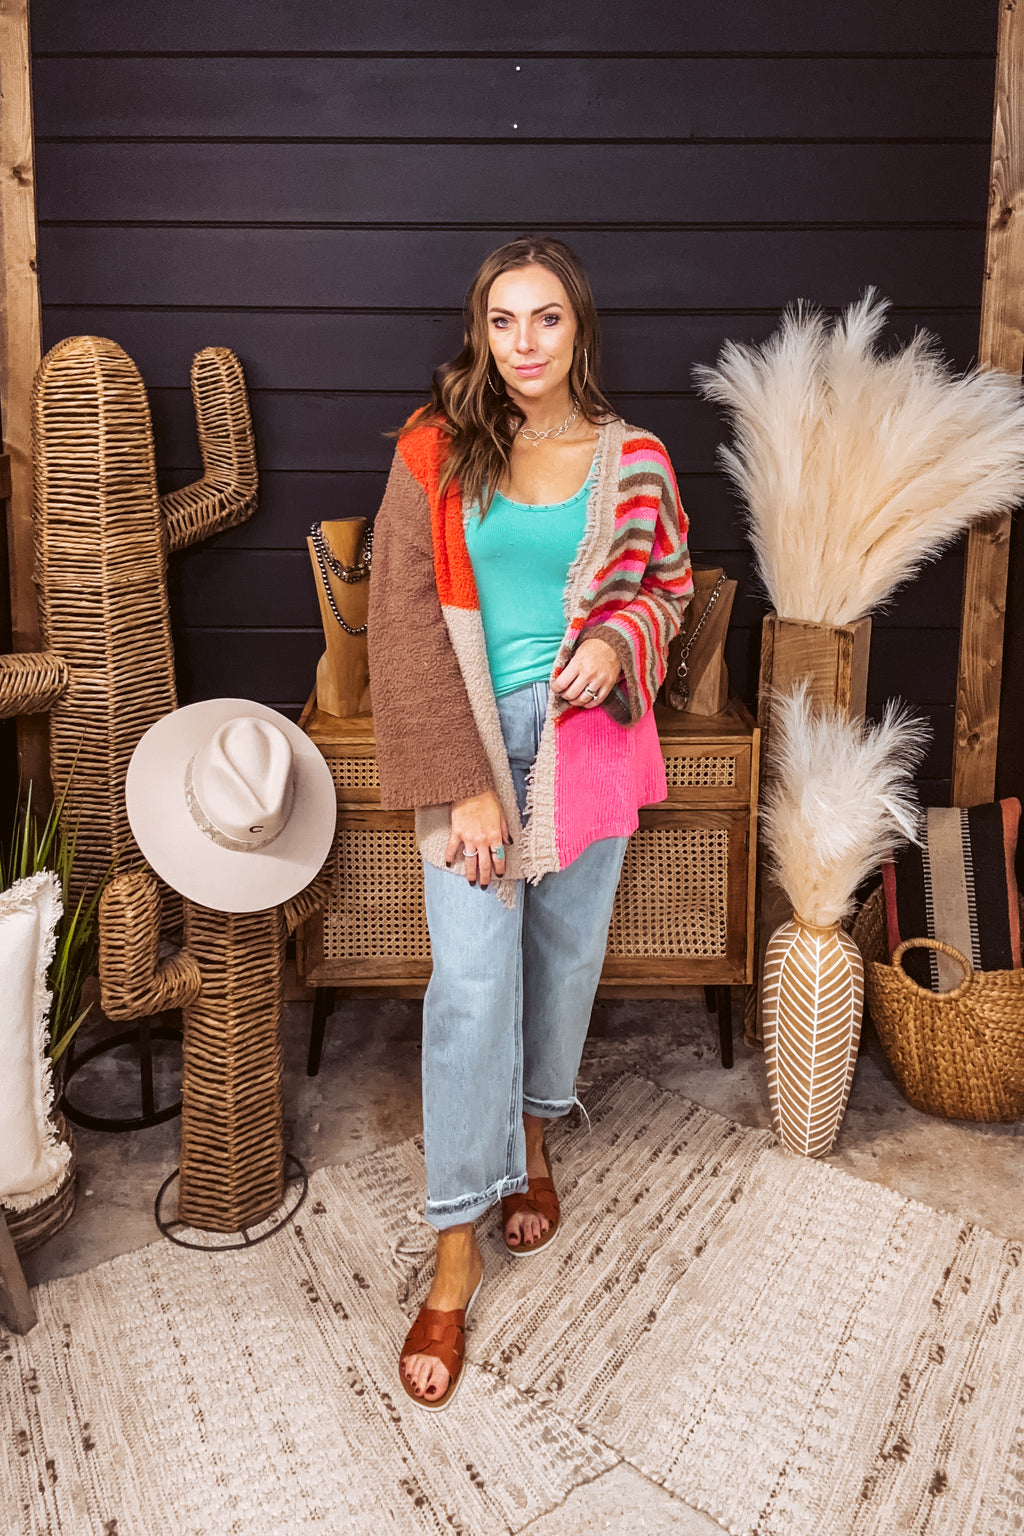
234	1187
296	1188
141	1034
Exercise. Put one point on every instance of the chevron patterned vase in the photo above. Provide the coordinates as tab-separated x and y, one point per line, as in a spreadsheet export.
813	1002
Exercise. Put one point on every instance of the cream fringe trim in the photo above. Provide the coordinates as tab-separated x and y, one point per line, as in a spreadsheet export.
41	891
541	850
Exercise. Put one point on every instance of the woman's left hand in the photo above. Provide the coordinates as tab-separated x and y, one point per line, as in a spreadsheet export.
589	675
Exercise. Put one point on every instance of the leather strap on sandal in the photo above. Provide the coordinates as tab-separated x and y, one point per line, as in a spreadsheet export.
439	1334
541	1199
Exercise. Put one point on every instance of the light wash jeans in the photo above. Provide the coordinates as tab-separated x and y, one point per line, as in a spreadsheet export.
508	1006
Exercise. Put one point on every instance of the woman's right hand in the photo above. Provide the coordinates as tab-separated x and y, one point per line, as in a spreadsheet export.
478	827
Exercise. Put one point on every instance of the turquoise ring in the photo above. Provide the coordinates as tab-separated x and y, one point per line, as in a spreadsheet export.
498	851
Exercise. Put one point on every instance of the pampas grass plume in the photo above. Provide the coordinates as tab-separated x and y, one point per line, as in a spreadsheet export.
857	468
839	799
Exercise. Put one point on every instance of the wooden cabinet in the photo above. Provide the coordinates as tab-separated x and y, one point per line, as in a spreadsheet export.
684	911
683	914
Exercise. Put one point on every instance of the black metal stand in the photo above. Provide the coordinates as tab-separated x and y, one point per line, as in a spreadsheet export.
296	1188
141	1035
323	1007
719	999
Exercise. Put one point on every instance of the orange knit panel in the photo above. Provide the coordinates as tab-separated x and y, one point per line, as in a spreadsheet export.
423	452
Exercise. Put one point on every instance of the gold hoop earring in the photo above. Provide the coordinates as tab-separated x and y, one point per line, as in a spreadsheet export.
586	370
498	392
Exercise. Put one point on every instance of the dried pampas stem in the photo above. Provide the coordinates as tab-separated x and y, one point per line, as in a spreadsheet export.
857	468
839	798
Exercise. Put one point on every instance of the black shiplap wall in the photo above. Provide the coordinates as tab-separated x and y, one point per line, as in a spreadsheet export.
313	186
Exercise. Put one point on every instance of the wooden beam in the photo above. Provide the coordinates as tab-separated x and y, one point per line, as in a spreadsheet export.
20	341
16	1305
1000	345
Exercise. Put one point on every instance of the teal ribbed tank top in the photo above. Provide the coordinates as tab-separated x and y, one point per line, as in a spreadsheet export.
521	555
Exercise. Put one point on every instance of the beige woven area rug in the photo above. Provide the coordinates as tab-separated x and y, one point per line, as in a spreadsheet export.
792	1350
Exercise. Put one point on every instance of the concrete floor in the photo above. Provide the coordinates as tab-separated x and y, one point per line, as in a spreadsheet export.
367	1096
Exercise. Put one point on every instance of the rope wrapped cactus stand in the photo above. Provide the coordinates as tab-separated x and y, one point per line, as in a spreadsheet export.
102	537
227	979
103	534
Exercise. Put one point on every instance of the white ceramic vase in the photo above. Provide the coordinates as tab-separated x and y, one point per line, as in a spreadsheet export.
813	1002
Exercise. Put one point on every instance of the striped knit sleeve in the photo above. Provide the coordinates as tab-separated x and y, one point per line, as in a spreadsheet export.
641	610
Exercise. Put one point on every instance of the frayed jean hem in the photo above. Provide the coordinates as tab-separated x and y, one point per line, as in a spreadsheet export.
454	1213
554	1109
547	1109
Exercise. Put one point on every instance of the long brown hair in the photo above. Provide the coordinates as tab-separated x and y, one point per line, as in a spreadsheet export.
472	406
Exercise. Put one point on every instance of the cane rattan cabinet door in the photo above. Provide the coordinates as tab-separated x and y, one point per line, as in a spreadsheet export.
683	911
680	911
348	749
373	929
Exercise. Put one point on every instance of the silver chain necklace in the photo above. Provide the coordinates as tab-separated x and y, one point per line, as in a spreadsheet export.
531	435
325	557
681	686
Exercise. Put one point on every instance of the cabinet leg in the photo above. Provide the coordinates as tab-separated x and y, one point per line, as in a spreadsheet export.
710	1001
323	1007
723	998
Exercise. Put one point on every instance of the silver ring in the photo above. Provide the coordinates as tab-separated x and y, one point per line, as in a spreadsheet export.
469	852
594	692
498	851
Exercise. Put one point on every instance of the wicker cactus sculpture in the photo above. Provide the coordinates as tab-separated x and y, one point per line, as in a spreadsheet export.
228	981
103	534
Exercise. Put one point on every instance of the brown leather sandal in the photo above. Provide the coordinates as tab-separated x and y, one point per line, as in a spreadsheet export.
442	1335
540	1199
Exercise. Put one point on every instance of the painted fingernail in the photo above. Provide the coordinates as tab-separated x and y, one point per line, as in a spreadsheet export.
447	863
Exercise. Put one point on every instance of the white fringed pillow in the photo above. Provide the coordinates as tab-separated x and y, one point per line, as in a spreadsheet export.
32	1160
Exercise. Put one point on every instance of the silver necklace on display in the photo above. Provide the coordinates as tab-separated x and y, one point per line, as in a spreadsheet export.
325	557
531	435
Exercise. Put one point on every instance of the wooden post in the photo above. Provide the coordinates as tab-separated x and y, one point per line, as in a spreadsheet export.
1000	345
20	343
17	1308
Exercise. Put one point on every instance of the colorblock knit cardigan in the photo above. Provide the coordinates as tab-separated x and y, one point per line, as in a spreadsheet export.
436	721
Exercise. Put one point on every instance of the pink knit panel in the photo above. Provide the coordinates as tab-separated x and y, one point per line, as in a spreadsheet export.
603	773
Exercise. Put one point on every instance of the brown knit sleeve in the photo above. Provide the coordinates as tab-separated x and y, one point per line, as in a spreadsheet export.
428	747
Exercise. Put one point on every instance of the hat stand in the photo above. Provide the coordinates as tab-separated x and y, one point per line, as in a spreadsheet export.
102	535
102	538
141	1035
228	981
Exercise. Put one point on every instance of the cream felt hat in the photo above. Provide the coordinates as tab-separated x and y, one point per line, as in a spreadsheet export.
231	804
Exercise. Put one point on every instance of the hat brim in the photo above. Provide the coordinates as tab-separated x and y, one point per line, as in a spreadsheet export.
181	853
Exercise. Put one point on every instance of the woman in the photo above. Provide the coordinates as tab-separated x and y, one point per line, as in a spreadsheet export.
529	571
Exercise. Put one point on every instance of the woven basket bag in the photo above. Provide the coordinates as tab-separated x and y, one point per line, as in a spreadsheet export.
959	1054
